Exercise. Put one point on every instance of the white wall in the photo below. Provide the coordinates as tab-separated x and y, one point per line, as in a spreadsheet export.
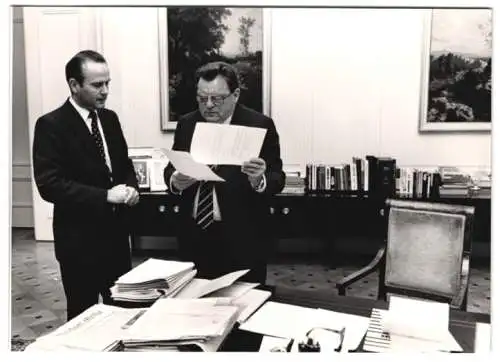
22	197
344	82
130	45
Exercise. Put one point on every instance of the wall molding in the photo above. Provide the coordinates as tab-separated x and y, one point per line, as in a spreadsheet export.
22	205
21	179
21	164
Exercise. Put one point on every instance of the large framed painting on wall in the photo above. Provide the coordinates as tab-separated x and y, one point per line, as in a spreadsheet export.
456	74
192	36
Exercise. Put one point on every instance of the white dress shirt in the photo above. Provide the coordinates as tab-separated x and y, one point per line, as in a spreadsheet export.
217	215
84	113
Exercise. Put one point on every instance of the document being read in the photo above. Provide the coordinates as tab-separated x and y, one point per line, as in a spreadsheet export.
185	164
226	144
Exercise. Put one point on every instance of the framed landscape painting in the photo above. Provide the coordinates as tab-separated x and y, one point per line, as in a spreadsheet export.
456	75
192	36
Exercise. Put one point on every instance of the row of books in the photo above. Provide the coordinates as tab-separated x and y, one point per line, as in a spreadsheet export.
381	176
345	177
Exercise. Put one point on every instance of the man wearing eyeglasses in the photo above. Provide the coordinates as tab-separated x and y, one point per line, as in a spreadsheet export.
225	224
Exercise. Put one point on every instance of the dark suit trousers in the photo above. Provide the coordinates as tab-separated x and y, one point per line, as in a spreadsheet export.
84	280
216	253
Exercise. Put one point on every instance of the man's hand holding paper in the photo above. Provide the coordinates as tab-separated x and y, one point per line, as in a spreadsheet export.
255	169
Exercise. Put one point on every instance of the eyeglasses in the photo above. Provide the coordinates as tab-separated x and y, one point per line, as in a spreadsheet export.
311	345
216	100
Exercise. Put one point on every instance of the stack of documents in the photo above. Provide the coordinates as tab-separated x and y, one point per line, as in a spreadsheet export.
411	325
226	289
153	279
175	323
99	328
288	321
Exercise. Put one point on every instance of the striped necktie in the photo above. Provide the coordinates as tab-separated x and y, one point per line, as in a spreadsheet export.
205	210
97	135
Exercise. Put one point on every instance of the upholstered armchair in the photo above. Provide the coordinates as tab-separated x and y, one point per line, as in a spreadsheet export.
426	253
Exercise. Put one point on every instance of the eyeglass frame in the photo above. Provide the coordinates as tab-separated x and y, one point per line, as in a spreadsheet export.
288	347
215	102
340	332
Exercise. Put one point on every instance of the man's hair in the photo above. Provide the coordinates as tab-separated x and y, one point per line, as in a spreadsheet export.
74	66
211	70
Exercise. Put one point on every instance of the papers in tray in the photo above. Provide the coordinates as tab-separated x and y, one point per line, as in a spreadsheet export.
275	319
99	328
153	279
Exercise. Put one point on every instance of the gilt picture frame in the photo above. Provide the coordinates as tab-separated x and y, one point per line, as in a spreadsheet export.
253	62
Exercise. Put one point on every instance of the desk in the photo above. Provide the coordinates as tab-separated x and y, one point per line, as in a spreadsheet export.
462	324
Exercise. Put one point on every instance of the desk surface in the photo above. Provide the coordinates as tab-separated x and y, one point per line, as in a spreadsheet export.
462	324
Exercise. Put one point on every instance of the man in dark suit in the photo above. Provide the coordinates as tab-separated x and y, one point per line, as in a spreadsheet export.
225	224
81	165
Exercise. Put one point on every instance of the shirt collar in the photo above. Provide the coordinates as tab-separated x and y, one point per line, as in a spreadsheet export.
83	112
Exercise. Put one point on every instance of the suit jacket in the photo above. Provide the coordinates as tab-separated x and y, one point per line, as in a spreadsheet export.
244	211
70	173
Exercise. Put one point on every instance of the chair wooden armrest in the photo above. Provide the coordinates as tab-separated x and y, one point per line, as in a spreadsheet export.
350	279
460	300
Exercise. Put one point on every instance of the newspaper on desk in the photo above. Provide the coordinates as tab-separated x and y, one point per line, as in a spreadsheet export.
99	328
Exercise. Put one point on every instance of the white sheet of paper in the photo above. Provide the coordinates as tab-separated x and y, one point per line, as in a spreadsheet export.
184	163
201	287
482	340
417	318
155	269
226	144
219	283
280	320
249	302
274	319
355	326
235	290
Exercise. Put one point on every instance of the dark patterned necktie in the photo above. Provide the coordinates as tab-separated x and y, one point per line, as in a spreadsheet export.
97	135
205	210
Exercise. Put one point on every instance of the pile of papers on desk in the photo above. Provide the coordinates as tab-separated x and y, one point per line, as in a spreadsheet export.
99	328
226	289
168	324
411	325
153	279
